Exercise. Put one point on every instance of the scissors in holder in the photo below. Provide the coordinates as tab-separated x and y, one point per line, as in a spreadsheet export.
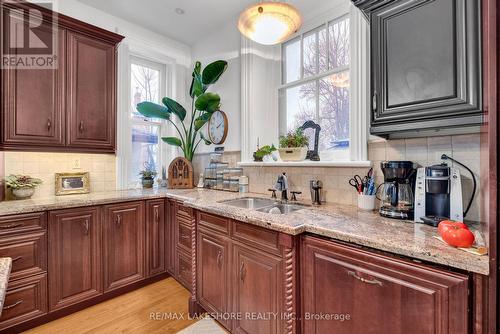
358	183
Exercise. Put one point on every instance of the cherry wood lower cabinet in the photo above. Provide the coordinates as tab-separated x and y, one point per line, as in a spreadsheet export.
214	276
257	288
74	256
123	239
379	294
246	276
155	237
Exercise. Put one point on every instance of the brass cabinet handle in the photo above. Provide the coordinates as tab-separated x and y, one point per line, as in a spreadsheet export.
86	226
219	258
11	225
49	124
118	220
13	305
81	126
242	271
17	258
364	280
157	215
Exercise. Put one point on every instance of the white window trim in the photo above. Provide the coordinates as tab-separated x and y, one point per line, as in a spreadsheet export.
139	52
359	89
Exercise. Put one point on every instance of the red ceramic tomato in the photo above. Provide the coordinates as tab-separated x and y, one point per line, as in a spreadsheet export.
456	234
446	224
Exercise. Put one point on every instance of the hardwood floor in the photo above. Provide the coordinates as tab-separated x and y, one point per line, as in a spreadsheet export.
129	313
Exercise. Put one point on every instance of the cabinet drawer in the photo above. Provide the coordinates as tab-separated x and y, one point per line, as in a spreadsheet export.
184	236
214	222
23	223
184	211
256	236
28	253
25	299
183	266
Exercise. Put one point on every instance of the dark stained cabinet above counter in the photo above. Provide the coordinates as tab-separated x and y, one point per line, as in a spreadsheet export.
70	107
425	66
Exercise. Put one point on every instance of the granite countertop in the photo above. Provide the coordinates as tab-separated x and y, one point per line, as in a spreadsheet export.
5	267
341	222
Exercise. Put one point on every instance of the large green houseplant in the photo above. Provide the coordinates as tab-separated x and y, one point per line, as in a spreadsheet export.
203	105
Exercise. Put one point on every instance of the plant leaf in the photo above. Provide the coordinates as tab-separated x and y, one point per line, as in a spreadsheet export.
208	102
213	71
197	69
174	107
201	121
174	141
207	142
198	87
150	109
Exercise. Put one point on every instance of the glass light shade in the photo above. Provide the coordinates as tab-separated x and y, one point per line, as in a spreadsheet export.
269	23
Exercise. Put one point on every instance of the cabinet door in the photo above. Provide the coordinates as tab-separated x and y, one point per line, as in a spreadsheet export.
91	93
213	281
33	99
426	65
257	290
123	240
155	237
170	237
377	293
74	256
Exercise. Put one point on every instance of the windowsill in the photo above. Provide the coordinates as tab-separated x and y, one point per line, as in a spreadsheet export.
306	164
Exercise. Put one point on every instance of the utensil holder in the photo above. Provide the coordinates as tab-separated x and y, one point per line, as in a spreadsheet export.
366	202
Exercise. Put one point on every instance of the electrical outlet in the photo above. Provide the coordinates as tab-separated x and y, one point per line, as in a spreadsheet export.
76	163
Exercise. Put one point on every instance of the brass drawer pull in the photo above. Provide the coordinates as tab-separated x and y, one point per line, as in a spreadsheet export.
17	258
86	226
364	280
243	271
185	237
81	126
49	124
219	258
13	305
11	225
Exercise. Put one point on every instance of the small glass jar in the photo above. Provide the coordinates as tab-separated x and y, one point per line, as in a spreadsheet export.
234	184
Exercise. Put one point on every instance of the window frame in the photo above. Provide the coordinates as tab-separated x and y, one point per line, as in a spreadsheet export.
164	90
319	75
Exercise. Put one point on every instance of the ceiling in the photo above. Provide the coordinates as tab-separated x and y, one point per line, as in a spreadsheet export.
200	17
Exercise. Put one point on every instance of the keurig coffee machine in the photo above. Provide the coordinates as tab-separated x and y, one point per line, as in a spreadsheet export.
438	193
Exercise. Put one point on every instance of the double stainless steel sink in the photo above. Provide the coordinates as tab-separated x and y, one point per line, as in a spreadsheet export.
264	205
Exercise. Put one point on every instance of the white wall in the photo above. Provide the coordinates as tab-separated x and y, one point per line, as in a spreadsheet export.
224	43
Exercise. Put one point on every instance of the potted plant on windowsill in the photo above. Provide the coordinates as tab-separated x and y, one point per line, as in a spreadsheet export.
148	176
293	146
23	186
263	152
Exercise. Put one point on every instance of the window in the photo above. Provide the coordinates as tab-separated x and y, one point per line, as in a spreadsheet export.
147	83
316	86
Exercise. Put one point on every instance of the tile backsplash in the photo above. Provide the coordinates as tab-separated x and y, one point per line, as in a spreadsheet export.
102	169
424	151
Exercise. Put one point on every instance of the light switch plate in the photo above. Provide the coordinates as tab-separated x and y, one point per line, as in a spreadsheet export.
77	163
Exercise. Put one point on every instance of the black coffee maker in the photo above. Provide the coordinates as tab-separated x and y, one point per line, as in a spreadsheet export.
396	199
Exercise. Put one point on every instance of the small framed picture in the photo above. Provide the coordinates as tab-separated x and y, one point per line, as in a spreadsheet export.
72	183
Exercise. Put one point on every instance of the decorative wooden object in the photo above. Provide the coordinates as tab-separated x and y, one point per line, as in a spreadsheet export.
180	174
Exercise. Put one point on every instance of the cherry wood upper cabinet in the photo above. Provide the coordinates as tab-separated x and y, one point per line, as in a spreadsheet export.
91	93
32	99
71	107
123	240
379	293
74	256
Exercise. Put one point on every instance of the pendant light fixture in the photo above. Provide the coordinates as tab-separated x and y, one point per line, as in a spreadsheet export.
269	22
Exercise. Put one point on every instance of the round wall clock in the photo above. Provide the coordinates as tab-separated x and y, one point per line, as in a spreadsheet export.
217	127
